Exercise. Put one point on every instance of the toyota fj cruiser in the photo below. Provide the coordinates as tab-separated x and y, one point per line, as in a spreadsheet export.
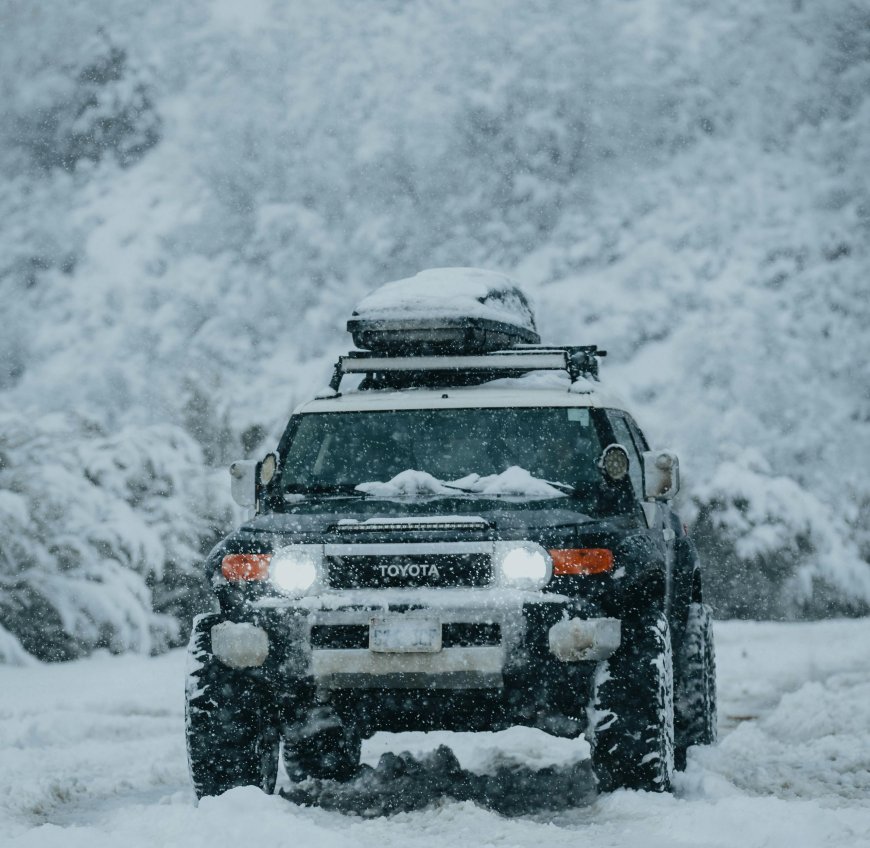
466	533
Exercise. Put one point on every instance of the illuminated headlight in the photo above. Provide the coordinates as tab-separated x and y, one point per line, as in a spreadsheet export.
297	569
522	565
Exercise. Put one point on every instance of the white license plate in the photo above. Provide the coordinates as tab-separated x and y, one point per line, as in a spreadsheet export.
404	635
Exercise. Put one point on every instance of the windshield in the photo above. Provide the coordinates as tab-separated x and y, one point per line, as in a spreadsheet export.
515	453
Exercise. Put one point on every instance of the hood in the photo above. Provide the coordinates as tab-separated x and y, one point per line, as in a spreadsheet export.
322	520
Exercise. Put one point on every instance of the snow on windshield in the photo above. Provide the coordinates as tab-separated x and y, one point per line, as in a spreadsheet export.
450	293
513	482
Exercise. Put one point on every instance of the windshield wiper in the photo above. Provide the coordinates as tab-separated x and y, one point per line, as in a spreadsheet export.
459	488
562	487
332	489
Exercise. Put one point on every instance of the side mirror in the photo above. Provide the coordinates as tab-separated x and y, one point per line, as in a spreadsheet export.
243	487
661	475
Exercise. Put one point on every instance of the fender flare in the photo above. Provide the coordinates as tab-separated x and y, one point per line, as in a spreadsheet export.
687	586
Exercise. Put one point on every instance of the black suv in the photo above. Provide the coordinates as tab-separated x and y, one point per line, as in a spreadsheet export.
464	541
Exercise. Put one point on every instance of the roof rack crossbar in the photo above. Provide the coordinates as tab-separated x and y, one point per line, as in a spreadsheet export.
578	361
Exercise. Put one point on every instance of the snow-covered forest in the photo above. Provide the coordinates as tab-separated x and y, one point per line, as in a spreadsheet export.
195	195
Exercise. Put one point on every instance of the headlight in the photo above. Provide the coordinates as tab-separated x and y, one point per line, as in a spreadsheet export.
522	565
297	569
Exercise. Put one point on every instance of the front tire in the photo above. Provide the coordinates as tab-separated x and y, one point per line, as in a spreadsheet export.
231	733
631	721
695	696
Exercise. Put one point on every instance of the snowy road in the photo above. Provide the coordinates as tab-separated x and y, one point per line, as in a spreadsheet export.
92	754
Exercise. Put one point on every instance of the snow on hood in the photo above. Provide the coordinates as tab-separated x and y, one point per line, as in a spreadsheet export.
450	293
513	482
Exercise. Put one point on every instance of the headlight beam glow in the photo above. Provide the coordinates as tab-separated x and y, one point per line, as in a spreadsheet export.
522	565
296	569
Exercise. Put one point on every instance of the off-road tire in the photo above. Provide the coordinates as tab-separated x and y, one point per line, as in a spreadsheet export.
695	716
631	716
232	738
320	745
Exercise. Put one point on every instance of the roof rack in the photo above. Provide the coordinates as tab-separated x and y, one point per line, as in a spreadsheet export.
383	371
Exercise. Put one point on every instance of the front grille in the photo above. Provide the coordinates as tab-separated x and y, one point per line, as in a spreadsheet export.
453	635
337	636
410	570
467	635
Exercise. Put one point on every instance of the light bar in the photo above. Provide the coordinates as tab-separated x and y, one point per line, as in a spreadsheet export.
419	524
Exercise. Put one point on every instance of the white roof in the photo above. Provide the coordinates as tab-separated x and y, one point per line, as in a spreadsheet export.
538	389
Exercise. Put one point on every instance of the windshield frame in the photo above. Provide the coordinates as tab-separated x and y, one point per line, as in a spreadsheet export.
275	500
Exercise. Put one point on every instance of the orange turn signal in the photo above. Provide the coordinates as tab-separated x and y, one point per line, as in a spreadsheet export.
581	561
246	566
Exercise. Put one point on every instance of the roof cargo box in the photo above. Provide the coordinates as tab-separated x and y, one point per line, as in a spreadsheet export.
444	310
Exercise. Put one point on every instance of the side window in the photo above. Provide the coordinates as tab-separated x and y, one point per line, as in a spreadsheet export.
624	438
639	438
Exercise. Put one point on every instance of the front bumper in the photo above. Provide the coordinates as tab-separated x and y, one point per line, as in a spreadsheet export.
450	668
491	639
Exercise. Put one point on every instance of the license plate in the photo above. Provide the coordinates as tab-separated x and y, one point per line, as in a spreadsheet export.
404	635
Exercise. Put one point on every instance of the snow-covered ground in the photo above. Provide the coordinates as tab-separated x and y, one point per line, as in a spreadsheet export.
92	754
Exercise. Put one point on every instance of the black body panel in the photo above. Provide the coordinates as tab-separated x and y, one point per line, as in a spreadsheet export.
649	571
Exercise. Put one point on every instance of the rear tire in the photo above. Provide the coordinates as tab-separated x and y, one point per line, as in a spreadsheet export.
695	714
231	735
631	718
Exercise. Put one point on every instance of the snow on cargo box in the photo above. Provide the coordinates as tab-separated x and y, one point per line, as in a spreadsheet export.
445	310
